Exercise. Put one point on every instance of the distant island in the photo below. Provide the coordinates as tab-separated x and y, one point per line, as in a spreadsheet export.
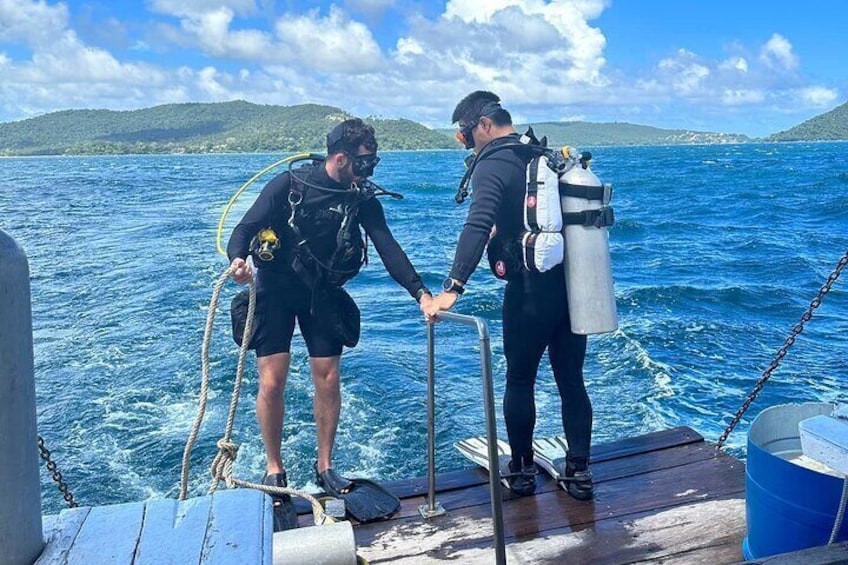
244	127
584	134
830	126
226	127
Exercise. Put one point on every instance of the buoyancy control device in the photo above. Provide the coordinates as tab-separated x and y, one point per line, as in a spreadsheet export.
566	216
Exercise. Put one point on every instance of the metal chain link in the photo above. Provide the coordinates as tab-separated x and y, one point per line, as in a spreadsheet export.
57	475
799	327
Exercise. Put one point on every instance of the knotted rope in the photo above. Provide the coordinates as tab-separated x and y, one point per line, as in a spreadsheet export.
222	466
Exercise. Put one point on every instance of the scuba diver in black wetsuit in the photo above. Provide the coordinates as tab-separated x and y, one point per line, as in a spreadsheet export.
303	231
535	308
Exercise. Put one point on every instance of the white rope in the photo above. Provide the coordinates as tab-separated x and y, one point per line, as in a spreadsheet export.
222	466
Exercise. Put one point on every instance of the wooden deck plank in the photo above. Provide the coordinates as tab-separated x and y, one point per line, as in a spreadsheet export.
470	526
470	476
676	536
604	471
60	535
97	541
236	529
173	531
473	476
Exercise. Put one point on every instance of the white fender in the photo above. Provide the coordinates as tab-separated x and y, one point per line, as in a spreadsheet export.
588	270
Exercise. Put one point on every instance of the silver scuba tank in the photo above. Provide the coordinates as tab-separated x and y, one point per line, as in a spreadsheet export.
588	270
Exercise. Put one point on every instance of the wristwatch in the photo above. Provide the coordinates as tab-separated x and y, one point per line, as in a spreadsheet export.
421	292
451	286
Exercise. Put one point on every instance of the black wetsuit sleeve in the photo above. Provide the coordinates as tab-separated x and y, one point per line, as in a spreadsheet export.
271	202
489	182
373	219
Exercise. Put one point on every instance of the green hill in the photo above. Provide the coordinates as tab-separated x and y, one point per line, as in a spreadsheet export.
584	134
236	126
830	126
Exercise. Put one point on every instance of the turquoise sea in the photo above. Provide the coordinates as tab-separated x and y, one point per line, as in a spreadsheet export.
717	251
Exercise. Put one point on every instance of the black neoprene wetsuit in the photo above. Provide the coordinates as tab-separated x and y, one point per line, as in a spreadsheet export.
535	309
287	295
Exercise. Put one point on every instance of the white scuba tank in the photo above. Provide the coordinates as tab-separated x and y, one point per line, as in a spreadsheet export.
588	270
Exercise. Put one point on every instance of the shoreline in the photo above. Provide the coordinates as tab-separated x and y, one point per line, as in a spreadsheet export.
436	150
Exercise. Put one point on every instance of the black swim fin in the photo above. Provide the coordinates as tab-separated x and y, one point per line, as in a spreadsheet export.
365	501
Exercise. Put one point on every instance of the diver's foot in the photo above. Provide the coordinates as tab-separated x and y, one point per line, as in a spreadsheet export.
520	477
285	515
578	480
333	483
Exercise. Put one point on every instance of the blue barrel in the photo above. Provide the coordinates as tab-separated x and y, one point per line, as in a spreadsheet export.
788	507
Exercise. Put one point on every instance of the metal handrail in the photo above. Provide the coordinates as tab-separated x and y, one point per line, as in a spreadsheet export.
433	509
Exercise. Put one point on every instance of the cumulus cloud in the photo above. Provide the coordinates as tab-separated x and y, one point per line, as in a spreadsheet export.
777	53
684	73
742	97
545	58
734	64
345	46
819	95
197	8
32	23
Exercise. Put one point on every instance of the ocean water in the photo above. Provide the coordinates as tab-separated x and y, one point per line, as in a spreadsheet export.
717	251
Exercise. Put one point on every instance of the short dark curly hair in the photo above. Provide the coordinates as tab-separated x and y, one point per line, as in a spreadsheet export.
349	135
481	103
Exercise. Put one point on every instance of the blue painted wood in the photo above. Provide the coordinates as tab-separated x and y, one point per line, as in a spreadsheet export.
173	531
236	531
108	535
59	534
229	527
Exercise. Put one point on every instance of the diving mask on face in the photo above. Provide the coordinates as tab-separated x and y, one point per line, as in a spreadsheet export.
465	134
363	165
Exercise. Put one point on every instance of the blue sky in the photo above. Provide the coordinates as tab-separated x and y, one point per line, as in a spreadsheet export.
754	67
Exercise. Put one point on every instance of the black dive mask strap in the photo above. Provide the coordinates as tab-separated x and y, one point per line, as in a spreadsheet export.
493	147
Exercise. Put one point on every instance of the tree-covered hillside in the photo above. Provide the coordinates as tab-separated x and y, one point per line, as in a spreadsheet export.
830	126
199	128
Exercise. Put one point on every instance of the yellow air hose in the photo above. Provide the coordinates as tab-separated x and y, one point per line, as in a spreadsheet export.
254	178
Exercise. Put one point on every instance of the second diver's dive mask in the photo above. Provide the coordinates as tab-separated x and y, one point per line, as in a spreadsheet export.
465	135
363	165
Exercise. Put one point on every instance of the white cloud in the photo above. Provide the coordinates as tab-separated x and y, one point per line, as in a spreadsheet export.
197	8
684	73
734	64
33	23
345	46
819	96
777	53
742	97
543	57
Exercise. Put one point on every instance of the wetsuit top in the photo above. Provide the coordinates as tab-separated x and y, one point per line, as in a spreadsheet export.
272	209
497	198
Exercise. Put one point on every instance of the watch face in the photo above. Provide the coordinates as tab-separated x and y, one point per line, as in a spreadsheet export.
447	284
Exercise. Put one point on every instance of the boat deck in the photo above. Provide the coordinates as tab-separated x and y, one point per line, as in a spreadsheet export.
665	497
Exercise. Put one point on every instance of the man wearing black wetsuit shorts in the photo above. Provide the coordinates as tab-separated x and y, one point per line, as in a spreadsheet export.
329	188
535	307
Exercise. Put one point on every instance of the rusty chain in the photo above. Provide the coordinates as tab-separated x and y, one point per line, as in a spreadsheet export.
799	327
57	475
